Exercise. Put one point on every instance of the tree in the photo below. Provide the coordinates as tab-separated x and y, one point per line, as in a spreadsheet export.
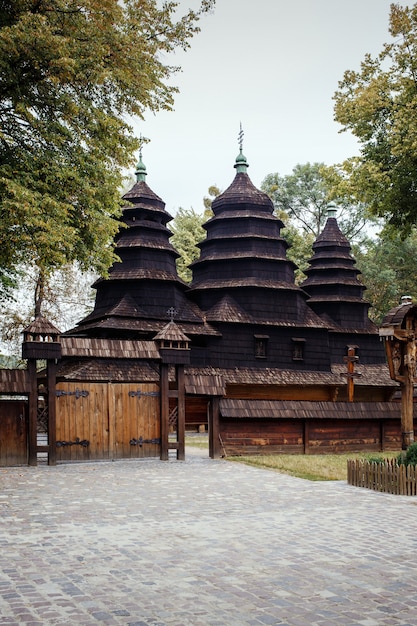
188	231
68	297
388	267
302	197
71	73
378	105
301	200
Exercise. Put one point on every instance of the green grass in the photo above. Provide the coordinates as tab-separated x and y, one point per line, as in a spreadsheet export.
309	466
197	440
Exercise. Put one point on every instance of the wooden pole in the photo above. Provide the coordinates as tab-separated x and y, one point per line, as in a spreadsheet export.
351	359
407	393
33	413
164	398
214	428
51	383
181	413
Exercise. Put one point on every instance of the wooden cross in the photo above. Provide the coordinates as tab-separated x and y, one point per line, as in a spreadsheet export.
351	359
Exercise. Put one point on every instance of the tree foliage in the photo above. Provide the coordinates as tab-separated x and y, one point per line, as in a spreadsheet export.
71	72
68	297
378	104
388	269
188	231
301	200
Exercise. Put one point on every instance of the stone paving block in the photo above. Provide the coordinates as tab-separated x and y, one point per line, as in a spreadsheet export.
200	543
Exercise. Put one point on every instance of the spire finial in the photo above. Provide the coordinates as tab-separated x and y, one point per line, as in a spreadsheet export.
331	209
240	137
140	168
241	163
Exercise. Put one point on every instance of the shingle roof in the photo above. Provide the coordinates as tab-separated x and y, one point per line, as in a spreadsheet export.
302	409
370	375
108	348
117	370
14	381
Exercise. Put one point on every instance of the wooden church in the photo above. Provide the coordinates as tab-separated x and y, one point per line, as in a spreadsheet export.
264	364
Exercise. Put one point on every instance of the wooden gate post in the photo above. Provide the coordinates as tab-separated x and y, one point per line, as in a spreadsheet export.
164	399
41	342
407	393
174	349
181	413
51	384
33	413
214	430
399	329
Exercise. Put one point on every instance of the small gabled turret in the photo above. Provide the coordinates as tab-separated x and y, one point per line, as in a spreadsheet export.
41	340
173	344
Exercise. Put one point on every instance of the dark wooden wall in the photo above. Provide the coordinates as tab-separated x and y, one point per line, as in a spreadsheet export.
13	432
302	436
236	348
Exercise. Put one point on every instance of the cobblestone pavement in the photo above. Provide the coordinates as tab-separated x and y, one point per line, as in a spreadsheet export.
201	542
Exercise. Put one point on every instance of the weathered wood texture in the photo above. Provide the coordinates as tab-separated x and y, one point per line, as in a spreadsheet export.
261	437
14	381
13	433
109	416
307	436
387	477
195	412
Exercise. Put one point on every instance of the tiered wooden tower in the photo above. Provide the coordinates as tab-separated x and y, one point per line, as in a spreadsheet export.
336	294
245	283
132	302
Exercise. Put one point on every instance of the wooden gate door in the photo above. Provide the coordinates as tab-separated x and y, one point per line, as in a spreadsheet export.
107	420
13	433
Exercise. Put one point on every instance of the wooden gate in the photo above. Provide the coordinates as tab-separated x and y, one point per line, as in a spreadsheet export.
107	420
13	432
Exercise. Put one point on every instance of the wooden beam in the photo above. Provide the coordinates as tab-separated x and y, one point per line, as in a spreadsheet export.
181	413
33	413
164	399
214	428
407	388
306	436
51	385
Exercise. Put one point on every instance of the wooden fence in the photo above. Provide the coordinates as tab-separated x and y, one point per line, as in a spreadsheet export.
386	476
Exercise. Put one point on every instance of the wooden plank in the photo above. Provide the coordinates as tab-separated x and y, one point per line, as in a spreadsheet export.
33	412
164	401
51	400
214	429
13	433
181	413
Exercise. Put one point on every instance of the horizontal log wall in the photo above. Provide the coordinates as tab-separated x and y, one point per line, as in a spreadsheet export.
240	437
108	416
280	436
325	436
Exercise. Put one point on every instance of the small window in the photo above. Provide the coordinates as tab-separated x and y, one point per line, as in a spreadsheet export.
298	344
261	345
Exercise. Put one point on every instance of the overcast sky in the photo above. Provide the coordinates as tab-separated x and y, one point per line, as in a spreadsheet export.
273	65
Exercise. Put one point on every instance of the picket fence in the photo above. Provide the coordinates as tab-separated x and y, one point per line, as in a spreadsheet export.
386	476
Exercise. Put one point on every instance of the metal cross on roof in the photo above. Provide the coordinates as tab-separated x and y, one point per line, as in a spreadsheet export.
240	137
172	312
142	141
